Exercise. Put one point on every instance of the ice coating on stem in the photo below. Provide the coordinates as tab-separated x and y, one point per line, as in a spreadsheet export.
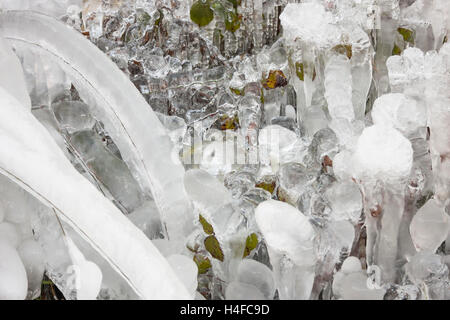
58	185
383	160
289	236
143	141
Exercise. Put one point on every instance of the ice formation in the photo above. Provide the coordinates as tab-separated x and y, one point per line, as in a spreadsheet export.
250	150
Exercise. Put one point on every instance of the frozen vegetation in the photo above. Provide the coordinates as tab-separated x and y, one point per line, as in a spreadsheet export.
225	149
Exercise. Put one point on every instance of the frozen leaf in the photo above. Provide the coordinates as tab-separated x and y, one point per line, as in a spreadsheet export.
250	244
212	245
275	79
203	263
201	13
206	226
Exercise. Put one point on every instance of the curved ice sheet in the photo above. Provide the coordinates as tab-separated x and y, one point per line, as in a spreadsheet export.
132	124
35	162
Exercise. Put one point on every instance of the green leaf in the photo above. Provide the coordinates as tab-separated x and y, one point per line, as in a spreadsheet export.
206	226
237	91
300	71
212	245
250	244
201	13
203	263
396	51
232	21
408	35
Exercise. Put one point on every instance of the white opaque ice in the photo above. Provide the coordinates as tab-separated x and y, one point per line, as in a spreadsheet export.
286	230
9	233
88	276
13	277
383	153
429	227
186	270
400	112
257	274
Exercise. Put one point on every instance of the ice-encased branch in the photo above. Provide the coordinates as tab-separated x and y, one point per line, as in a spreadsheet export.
140	136
33	160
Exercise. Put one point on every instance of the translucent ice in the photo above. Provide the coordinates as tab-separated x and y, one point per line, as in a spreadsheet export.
33	259
429	227
338	87
127	117
210	196
94	217
345	200
12	77
73	116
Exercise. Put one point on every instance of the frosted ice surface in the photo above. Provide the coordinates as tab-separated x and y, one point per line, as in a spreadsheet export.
13	277
429	227
311	23
399	111
406	70
383	153
286	230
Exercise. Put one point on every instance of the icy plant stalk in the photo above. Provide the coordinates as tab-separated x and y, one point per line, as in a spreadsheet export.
383	160
130	121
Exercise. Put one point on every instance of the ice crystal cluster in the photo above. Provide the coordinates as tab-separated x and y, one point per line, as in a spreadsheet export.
225	149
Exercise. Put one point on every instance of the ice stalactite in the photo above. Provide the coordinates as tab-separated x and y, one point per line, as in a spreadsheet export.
139	134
